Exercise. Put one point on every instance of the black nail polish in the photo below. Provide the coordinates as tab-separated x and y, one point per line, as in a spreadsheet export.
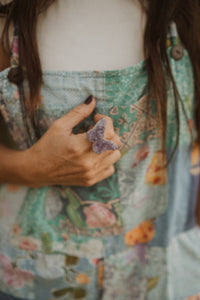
88	100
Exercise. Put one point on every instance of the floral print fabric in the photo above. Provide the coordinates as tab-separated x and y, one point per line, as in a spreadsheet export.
118	238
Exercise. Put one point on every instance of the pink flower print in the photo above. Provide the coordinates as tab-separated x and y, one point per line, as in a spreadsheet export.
190	125
27	244
98	215
15	49
65	236
12	275
141	154
95	261
16	229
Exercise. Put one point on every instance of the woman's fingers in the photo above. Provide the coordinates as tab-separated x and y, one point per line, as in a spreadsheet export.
76	115
80	180
69	159
110	159
91	169
97	164
83	145
103	175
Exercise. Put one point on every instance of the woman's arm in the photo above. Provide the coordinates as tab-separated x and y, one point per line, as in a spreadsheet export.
13	166
61	157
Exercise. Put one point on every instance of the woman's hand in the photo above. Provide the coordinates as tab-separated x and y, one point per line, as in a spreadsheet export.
61	157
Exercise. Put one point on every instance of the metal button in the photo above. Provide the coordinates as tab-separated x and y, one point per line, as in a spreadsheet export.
15	75
177	52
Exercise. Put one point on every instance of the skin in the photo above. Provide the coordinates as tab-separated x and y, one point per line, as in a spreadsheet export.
60	157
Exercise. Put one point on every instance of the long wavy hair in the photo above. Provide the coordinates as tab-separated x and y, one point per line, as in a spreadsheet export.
160	13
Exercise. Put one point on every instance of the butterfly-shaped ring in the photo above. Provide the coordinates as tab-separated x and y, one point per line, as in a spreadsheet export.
96	134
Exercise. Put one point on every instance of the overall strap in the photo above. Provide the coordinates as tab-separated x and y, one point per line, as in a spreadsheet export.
16	76
177	50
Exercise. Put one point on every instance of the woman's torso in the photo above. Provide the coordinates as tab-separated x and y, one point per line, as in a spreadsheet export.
112	240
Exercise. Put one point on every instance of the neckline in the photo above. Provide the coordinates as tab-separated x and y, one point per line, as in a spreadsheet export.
88	73
132	70
98	73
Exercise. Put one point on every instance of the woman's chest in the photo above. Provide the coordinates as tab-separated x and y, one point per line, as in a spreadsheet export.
90	35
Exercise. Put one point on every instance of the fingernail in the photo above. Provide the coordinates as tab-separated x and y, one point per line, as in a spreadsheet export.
88	100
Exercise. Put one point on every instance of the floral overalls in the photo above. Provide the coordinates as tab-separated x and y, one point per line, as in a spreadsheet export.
130	236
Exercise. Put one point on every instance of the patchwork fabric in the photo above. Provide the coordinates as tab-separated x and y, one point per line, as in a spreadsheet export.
130	236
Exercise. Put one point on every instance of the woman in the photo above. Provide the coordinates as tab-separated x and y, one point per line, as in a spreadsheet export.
84	222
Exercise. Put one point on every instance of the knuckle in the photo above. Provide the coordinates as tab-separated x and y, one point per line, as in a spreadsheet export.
76	110
118	154
77	151
112	170
109	121
109	171
109	134
87	166
117	140
79	112
89	175
73	151
88	182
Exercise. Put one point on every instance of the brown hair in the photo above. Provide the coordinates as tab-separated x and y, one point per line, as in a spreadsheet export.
25	14
159	15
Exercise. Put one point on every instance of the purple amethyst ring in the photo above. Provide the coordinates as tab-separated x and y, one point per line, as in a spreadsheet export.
96	136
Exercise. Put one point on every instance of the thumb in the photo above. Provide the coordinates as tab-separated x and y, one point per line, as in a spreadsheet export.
78	113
